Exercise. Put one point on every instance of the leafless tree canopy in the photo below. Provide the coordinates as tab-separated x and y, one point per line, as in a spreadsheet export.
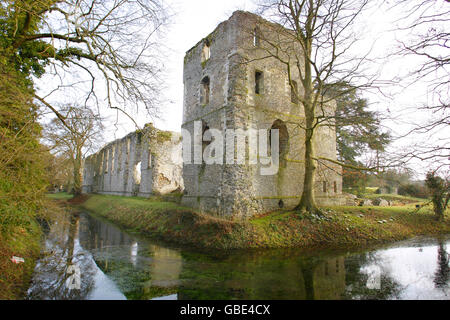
324	31
315	42
83	130
80	134
426	23
106	51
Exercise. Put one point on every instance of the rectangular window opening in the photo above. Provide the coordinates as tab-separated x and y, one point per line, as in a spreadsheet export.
113	159
256	36
120	157
259	82
150	160
128	152
294	92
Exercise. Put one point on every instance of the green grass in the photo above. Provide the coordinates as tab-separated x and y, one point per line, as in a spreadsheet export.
340	227
59	196
20	241
20	236
394	197
371	190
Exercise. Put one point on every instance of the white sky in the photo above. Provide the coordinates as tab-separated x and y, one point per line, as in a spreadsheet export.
193	20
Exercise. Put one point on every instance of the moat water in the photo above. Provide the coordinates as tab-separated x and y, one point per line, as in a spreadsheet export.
88	258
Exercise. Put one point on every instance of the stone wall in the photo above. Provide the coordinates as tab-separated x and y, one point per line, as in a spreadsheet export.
229	69
144	162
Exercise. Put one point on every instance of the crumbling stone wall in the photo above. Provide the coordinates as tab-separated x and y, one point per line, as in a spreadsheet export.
144	162
229	67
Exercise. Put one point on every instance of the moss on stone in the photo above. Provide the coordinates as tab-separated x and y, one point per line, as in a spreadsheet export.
340	227
163	136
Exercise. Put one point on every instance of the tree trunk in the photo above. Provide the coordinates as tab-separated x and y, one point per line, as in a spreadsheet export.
438	208
308	200
77	175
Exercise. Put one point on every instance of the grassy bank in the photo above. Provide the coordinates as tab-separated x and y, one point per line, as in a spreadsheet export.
15	278
20	239
21	236
394	198
60	196
341	227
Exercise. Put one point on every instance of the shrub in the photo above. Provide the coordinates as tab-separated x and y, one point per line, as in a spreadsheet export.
440	193
414	190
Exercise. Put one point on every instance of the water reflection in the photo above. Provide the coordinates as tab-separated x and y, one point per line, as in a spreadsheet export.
442	275
115	265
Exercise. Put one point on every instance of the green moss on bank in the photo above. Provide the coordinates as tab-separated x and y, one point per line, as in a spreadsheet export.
341	227
394	197
23	238
167	221
20	241
59	196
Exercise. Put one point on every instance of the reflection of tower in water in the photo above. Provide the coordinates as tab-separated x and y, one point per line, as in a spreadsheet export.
166	267
133	253
264	275
329	279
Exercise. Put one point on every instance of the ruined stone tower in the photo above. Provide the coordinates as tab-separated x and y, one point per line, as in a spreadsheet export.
228	84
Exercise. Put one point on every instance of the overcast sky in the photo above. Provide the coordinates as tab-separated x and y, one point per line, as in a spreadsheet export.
192	21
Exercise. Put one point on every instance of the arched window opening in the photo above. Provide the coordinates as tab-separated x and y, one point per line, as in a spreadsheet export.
205	143
324	187
137	173
204	91
335	187
283	143
294	92
206	51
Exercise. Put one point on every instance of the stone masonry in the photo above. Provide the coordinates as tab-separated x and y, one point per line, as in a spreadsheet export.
144	162
229	84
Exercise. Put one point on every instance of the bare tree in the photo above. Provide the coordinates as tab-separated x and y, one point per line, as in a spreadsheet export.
314	44
79	135
105	51
60	171
427	41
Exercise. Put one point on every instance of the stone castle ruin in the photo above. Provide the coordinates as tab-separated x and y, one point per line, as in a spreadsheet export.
143	163
228	84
